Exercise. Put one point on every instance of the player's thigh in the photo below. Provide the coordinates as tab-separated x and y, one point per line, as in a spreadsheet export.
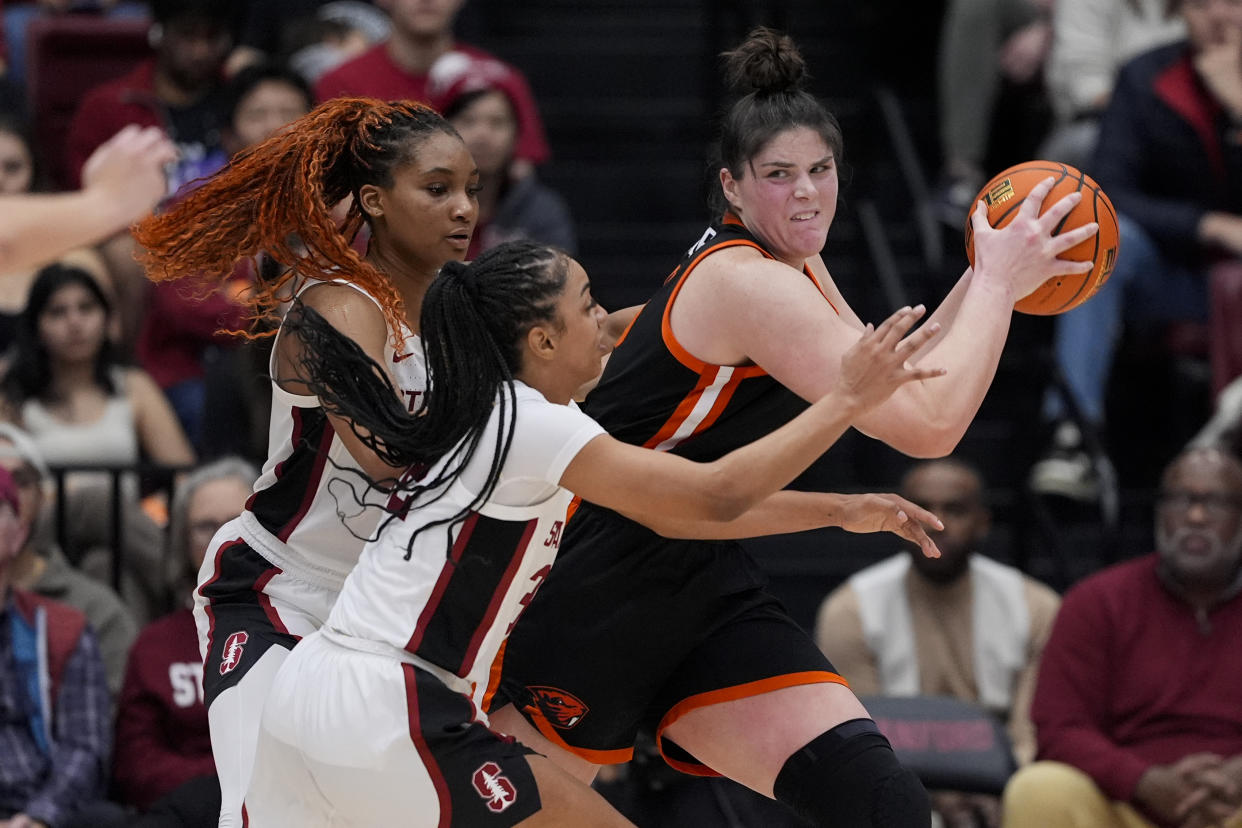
509	721
749	739
565	801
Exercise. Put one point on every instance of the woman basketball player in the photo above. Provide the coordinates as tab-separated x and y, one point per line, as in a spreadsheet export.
374	719
633	631
273	573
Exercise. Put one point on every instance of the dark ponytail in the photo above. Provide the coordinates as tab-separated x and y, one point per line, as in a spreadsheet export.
474	321
766	76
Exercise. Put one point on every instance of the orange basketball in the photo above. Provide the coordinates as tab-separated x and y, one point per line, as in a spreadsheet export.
1004	195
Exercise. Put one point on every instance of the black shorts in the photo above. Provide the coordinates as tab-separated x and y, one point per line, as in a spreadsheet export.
631	631
243	623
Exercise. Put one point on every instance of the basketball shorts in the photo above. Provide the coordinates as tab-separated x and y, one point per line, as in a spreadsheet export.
631	631
245	605
350	737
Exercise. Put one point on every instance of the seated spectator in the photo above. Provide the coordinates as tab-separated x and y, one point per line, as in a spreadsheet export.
421	38
961	625
41	566
180	90
1168	158
162	740
188	322
982	44
66	389
480	99
1136	705
1091	40
54	706
314	36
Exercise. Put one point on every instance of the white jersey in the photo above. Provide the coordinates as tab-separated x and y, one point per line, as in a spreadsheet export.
312	511
449	606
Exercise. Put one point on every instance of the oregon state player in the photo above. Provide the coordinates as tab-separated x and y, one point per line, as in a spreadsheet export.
681	636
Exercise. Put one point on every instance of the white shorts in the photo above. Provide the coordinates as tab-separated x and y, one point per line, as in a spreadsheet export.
353	738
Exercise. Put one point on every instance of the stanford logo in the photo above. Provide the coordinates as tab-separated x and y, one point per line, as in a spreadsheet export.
563	710
233	652
497	790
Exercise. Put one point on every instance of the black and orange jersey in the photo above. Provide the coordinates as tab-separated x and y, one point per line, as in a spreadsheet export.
655	393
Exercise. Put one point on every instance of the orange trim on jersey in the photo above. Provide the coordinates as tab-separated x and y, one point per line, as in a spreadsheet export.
807	270
674	347
726	694
626	332
493	675
597	757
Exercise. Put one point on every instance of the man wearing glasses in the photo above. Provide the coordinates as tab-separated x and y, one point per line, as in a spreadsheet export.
1138	705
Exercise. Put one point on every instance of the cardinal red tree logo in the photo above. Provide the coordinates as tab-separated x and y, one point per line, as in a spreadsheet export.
233	647
495	788
563	710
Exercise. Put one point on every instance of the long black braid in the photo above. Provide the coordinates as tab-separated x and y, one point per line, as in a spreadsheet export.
474	322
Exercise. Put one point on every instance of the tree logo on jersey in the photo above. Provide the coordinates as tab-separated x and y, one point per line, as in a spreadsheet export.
233	647
563	710
495	789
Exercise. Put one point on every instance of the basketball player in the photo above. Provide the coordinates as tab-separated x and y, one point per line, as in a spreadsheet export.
374	720
271	575
632	630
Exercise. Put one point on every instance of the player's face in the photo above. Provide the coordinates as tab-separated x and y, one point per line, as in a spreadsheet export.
787	195
1211	22
16	166
72	325
214	504
428	214
1199	521
953	495
268	107
581	340
489	128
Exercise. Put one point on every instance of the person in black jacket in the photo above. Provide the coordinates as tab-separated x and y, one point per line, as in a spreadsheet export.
1170	159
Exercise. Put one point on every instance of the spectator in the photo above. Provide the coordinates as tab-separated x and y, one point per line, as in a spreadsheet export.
315	36
420	45
480	98
960	625
1091	40
982	44
41	566
179	89
54	714
1136	707
1169	158
162	739
188	322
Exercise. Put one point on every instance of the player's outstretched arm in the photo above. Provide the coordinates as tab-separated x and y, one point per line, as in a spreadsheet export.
643	483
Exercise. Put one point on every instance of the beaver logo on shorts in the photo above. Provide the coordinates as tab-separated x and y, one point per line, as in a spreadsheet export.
563	710
233	646
496	789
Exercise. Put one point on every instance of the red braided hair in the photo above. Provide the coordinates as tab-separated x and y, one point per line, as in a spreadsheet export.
276	198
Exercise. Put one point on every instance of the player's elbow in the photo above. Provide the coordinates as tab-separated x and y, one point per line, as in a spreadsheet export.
932	440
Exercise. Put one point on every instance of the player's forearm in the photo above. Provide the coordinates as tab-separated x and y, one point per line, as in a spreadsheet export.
779	513
37	229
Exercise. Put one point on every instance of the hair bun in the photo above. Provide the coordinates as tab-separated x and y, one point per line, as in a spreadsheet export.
766	63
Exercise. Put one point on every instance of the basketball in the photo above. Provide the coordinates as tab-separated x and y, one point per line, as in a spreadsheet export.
1004	195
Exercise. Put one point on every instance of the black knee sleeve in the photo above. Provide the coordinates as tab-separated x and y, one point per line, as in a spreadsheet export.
849	777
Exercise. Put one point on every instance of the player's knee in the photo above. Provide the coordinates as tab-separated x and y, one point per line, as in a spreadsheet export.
850	777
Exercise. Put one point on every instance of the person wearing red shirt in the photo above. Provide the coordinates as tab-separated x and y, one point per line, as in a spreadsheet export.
419	49
162	739
1136	706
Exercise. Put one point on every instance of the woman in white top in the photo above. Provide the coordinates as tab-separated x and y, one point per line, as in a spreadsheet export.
375	719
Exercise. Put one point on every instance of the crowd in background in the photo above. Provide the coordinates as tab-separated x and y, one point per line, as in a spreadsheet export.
133	415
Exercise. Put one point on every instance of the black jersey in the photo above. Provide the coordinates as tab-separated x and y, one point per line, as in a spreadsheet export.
654	393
